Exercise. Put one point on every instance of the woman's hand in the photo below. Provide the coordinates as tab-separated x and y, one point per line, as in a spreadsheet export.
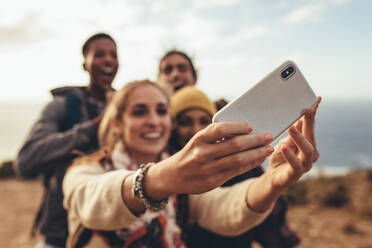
208	160
292	158
295	154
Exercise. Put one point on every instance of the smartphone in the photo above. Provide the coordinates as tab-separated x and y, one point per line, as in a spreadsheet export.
274	103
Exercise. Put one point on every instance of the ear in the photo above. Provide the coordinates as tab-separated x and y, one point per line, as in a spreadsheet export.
195	77
85	66
194	81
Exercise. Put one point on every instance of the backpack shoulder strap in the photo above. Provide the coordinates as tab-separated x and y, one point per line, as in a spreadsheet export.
72	111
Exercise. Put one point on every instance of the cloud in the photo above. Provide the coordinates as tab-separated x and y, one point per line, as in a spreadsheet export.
340	2
230	40
310	12
27	30
198	4
304	13
247	34
242	36
193	29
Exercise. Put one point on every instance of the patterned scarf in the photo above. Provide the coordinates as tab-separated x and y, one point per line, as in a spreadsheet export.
153	229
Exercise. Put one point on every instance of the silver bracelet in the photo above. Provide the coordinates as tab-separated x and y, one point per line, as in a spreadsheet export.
138	190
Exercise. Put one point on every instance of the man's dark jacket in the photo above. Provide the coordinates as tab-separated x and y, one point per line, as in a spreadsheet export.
64	126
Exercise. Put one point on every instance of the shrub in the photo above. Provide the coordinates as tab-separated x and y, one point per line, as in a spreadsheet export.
297	194
338	197
369	175
350	228
366	211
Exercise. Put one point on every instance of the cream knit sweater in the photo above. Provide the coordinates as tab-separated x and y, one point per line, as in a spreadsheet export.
93	199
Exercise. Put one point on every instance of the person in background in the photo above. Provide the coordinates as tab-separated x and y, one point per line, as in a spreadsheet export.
68	123
176	70
131	193
191	111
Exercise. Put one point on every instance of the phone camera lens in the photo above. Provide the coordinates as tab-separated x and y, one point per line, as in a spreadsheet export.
284	74
287	72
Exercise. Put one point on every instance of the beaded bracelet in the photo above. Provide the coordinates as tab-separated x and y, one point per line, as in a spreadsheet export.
138	190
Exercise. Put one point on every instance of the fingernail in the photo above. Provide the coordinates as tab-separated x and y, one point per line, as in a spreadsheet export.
270	149
250	128
285	148
293	130
268	137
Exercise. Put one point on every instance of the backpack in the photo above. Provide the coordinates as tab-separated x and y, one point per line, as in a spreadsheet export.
73	115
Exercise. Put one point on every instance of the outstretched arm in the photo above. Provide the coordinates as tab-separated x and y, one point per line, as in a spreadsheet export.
203	164
200	167
292	158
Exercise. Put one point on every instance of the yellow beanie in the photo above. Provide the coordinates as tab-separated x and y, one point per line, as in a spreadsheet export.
190	97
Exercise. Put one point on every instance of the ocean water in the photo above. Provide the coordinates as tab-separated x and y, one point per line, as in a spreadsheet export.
344	134
343	131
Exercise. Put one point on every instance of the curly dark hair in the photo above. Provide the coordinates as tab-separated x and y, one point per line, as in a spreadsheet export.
92	38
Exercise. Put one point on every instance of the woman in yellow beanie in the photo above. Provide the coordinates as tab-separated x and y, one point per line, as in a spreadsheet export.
191	111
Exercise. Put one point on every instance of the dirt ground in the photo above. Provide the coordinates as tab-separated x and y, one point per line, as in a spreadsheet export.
318	226
19	203
325	228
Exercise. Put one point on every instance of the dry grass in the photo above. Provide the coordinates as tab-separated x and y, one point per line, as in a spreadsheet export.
337	213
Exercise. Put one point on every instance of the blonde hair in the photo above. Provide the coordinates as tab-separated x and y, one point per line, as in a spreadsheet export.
107	135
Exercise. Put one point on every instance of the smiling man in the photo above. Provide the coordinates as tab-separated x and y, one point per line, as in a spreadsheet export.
176	70
68	123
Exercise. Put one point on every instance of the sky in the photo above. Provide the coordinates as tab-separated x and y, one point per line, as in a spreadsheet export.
234	43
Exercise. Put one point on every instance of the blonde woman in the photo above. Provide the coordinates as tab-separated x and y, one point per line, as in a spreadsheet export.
130	193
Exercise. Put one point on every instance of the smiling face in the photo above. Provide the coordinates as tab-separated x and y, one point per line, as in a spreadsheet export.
101	63
175	71
145	124
189	122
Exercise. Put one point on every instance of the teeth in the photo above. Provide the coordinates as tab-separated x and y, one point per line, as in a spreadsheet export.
108	70
152	135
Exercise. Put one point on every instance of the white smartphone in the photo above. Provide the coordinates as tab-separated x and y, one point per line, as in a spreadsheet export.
274	103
